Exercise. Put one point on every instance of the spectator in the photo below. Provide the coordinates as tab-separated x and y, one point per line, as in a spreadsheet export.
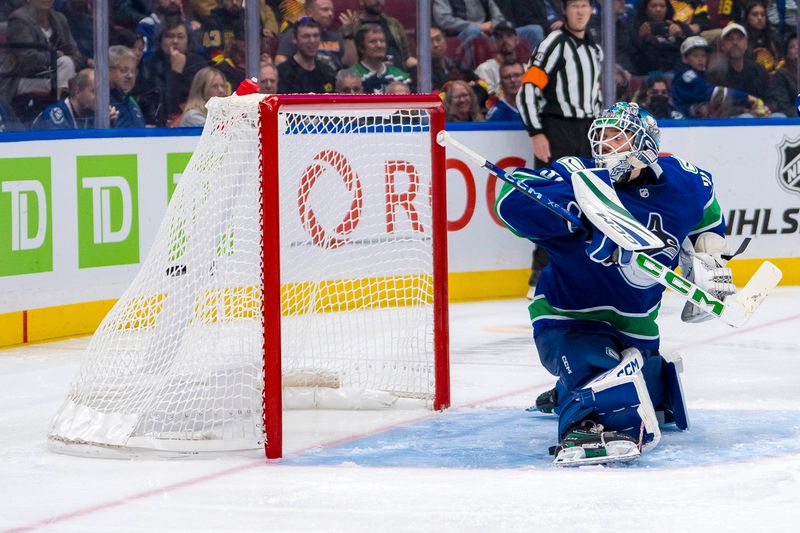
441	65
693	95
785	21
658	36
560	96
443	68
505	110
653	96
201	10
268	78
122	63
625	50
397	87
348	81
128	13
81	24
289	12
304	72
207	83
222	29
40	33
460	102
219	27
9	6
166	76
693	13
397	51
737	71
331	47
469	19
147	26
764	44
375	72
530	17
720	14
232	63
128	39
782	88
506	39
76	111
8	119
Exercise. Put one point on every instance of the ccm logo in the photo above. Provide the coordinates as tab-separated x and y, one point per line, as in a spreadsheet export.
630	369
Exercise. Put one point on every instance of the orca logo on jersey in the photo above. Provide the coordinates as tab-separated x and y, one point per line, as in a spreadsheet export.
789	164
635	277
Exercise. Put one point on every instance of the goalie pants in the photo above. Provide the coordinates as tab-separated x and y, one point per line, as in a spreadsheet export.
579	351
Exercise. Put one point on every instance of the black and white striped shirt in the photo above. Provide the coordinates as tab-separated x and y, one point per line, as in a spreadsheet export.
562	79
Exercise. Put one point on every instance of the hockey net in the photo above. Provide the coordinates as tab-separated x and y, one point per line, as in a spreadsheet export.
301	260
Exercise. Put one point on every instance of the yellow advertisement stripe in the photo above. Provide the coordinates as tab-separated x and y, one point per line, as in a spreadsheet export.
66	320
11	328
329	296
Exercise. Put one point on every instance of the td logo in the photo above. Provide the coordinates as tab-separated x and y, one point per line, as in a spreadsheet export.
176	165
26	244
108	210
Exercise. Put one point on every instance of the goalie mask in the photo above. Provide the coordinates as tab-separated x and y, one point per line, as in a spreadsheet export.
624	137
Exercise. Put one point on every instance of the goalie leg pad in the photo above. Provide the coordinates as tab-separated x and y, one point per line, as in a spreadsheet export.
618	399
674	406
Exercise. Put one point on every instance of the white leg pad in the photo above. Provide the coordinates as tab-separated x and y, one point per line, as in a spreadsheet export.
624	387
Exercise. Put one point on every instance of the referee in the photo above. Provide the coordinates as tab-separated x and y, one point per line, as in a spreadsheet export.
560	96
561	89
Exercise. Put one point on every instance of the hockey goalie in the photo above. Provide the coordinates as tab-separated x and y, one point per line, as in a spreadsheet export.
594	312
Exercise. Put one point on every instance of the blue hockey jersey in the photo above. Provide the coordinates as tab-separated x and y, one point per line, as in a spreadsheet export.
59	116
673	198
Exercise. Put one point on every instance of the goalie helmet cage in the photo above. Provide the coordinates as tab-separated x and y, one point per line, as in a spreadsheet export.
304	246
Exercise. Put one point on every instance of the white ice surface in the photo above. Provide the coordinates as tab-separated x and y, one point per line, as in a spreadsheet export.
494	364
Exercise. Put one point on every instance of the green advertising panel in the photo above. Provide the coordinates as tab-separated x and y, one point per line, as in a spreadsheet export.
26	229
108	210
176	164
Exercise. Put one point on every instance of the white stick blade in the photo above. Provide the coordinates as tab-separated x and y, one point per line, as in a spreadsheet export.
601	205
745	302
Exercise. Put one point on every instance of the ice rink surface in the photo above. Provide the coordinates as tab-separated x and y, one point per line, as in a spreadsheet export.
480	466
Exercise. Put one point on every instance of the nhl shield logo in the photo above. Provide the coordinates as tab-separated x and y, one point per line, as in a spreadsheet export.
789	165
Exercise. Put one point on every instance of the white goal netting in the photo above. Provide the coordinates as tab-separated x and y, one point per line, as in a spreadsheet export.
177	365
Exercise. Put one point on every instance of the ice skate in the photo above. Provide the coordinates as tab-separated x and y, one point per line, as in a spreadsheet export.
588	444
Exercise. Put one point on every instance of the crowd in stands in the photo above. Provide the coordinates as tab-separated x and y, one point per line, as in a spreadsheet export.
677	58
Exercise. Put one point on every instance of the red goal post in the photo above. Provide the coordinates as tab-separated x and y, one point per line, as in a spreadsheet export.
270	109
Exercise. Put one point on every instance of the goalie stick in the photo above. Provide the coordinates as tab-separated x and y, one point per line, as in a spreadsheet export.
735	311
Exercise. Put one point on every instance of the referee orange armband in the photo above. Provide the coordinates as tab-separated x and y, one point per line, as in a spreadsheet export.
536	76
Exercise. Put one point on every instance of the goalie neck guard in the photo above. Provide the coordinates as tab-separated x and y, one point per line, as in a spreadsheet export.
623	138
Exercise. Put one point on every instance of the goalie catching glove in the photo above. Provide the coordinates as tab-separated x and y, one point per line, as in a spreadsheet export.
704	264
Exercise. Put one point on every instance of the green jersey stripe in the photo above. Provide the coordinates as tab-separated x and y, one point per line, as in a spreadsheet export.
712	217
636	325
